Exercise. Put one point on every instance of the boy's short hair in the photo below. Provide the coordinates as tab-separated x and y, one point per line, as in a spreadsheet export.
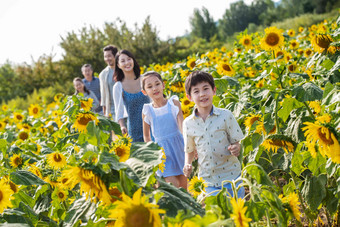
197	77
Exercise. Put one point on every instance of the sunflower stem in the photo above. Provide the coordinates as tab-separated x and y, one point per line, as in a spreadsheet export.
300	197
277	70
276	115
122	182
309	110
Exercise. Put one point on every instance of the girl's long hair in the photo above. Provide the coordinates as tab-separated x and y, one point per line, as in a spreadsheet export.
81	81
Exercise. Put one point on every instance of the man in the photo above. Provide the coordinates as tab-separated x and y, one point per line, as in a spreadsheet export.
91	83
107	81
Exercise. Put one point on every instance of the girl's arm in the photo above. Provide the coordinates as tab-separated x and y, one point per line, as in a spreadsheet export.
179	115
146	130
122	126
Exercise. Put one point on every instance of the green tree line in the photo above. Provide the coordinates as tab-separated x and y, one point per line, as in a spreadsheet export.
85	45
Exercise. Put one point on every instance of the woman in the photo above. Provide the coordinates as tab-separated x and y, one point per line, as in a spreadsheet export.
127	95
80	87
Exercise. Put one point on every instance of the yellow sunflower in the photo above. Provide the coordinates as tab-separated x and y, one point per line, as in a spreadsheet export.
196	186
246	41
16	160
2	125
58	97
321	42
23	135
59	195
5	195
18	117
239	213
249	121
274	142
280	54
322	136
301	29
35	170
82	120
224	68
293	200
273	39
315	105
136	212
115	194
56	160
293	44
122	151
4	107
191	63
86	104
260	83
291	32
34	110
308	52
90	184
292	67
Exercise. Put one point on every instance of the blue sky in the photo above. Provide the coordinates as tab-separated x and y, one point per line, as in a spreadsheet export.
31	28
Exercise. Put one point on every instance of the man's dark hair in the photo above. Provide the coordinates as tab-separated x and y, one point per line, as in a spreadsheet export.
111	48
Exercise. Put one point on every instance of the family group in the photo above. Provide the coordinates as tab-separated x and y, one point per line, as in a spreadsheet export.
138	104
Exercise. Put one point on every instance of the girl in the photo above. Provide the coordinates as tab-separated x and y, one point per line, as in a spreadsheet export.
127	95
165	119
80	87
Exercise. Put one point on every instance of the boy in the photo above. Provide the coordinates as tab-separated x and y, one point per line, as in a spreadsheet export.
214	133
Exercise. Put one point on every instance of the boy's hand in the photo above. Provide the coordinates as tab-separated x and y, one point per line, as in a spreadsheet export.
187	170
235	149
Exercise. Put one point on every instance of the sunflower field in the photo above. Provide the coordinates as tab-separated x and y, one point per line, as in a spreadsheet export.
61	166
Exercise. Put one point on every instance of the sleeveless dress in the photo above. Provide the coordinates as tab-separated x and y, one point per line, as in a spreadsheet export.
166	133
134	104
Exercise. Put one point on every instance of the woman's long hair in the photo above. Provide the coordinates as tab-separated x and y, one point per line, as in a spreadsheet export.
119	74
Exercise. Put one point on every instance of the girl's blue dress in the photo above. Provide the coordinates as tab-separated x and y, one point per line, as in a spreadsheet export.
134	103
166	133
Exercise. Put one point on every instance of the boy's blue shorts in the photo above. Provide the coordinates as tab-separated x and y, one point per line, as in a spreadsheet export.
240	192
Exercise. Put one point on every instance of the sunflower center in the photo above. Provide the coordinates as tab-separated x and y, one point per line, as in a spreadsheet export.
272	39
82	105
19	117
84	120
294	44
64	180
186	102
17	161
119	151
323	136
61	195
139	217
35	110
278	143
323	41
246	42
308	52
226	67
252	120
57	158
192	64
278	54
1	196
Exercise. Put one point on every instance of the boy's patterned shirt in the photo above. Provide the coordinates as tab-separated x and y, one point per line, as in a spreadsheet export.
211	139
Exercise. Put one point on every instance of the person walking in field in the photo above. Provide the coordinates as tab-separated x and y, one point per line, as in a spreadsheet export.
128	97
107	81
80	87
214	133
91	83
164	117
